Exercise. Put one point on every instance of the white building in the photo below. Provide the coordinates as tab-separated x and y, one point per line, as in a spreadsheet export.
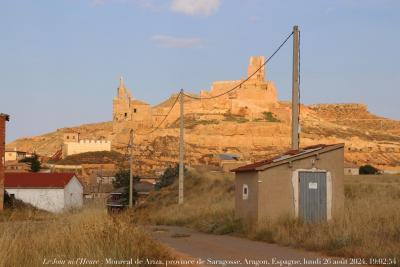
54	192
351	169
74	145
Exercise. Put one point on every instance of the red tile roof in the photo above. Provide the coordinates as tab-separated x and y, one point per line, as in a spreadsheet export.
282	157
37	180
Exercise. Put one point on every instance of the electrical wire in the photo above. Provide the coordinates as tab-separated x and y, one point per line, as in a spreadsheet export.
248	78
166	116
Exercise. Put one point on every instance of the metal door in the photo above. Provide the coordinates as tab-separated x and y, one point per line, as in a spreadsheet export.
312	196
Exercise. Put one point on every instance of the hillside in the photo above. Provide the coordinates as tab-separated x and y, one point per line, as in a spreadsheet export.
368	138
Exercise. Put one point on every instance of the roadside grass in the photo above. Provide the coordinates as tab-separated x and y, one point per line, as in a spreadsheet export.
90	234
208	205
369	227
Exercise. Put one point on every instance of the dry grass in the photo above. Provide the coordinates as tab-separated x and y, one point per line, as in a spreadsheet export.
90	234
370	226
208	205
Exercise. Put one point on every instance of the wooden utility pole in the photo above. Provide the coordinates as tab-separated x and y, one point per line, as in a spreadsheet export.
295	90
130	169
181	148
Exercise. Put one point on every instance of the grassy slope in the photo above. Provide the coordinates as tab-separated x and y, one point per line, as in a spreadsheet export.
370	226
90	234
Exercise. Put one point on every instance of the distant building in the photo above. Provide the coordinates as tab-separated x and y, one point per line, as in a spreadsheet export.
228	162
351	169
74	145
15	166
3	119
54	192
14	155
305	184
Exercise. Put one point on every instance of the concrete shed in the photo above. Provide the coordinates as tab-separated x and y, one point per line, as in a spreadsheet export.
54	192
306	183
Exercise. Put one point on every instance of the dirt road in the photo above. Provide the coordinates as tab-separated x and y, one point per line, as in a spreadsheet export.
216	250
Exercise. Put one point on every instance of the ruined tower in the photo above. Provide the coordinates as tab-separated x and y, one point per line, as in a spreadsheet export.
129	113
3	119
256	64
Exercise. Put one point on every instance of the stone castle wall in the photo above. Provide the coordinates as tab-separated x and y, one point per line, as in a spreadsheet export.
252	98
86	146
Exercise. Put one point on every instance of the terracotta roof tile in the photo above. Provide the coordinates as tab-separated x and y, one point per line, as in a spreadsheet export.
37	180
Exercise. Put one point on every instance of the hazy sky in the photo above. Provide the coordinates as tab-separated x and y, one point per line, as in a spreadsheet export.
61	59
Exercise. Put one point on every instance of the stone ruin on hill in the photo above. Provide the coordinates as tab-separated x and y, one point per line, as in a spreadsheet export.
251	100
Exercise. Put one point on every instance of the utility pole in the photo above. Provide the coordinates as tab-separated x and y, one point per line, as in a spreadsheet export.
295	90
130	169
181	148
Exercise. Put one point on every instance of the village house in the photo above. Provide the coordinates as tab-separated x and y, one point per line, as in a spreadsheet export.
14	155
351	169
306	184
15	166
54	192
3	119
228	162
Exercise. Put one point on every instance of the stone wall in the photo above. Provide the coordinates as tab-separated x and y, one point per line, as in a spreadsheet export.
252	98
71	148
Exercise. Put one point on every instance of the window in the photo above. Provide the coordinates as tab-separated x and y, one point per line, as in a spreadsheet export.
245	192
67	136
134	110
126	114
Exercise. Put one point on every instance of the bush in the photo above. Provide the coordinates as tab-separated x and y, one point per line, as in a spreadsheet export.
368	169
168	177
269	116
122	181
33	162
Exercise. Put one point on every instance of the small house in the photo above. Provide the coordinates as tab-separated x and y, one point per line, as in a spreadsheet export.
351	169
54	192
306	183
14	155
227	162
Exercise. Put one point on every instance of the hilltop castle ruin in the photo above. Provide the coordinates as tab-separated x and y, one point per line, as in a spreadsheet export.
251	99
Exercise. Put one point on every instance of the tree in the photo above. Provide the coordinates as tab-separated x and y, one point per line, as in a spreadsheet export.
33	162
168	177
368	169
122	181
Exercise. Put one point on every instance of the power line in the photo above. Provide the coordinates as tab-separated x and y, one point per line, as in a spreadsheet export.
166	116
248	78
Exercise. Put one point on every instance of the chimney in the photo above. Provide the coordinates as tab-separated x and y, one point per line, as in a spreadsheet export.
3	119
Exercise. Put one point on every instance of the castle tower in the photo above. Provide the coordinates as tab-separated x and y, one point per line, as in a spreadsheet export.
256	62
121	103
128	112
3	119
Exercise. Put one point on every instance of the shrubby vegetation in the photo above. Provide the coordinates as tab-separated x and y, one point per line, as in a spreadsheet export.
33	162
168	177
368	169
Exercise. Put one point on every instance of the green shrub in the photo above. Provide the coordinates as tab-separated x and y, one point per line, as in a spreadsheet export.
368	169
269	116
168	177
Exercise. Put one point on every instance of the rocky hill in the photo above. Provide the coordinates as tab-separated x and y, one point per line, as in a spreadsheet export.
368	138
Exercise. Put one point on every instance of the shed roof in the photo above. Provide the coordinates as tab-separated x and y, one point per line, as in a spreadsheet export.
288	156
37	180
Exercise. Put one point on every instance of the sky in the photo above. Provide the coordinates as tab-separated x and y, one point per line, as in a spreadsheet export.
60	60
